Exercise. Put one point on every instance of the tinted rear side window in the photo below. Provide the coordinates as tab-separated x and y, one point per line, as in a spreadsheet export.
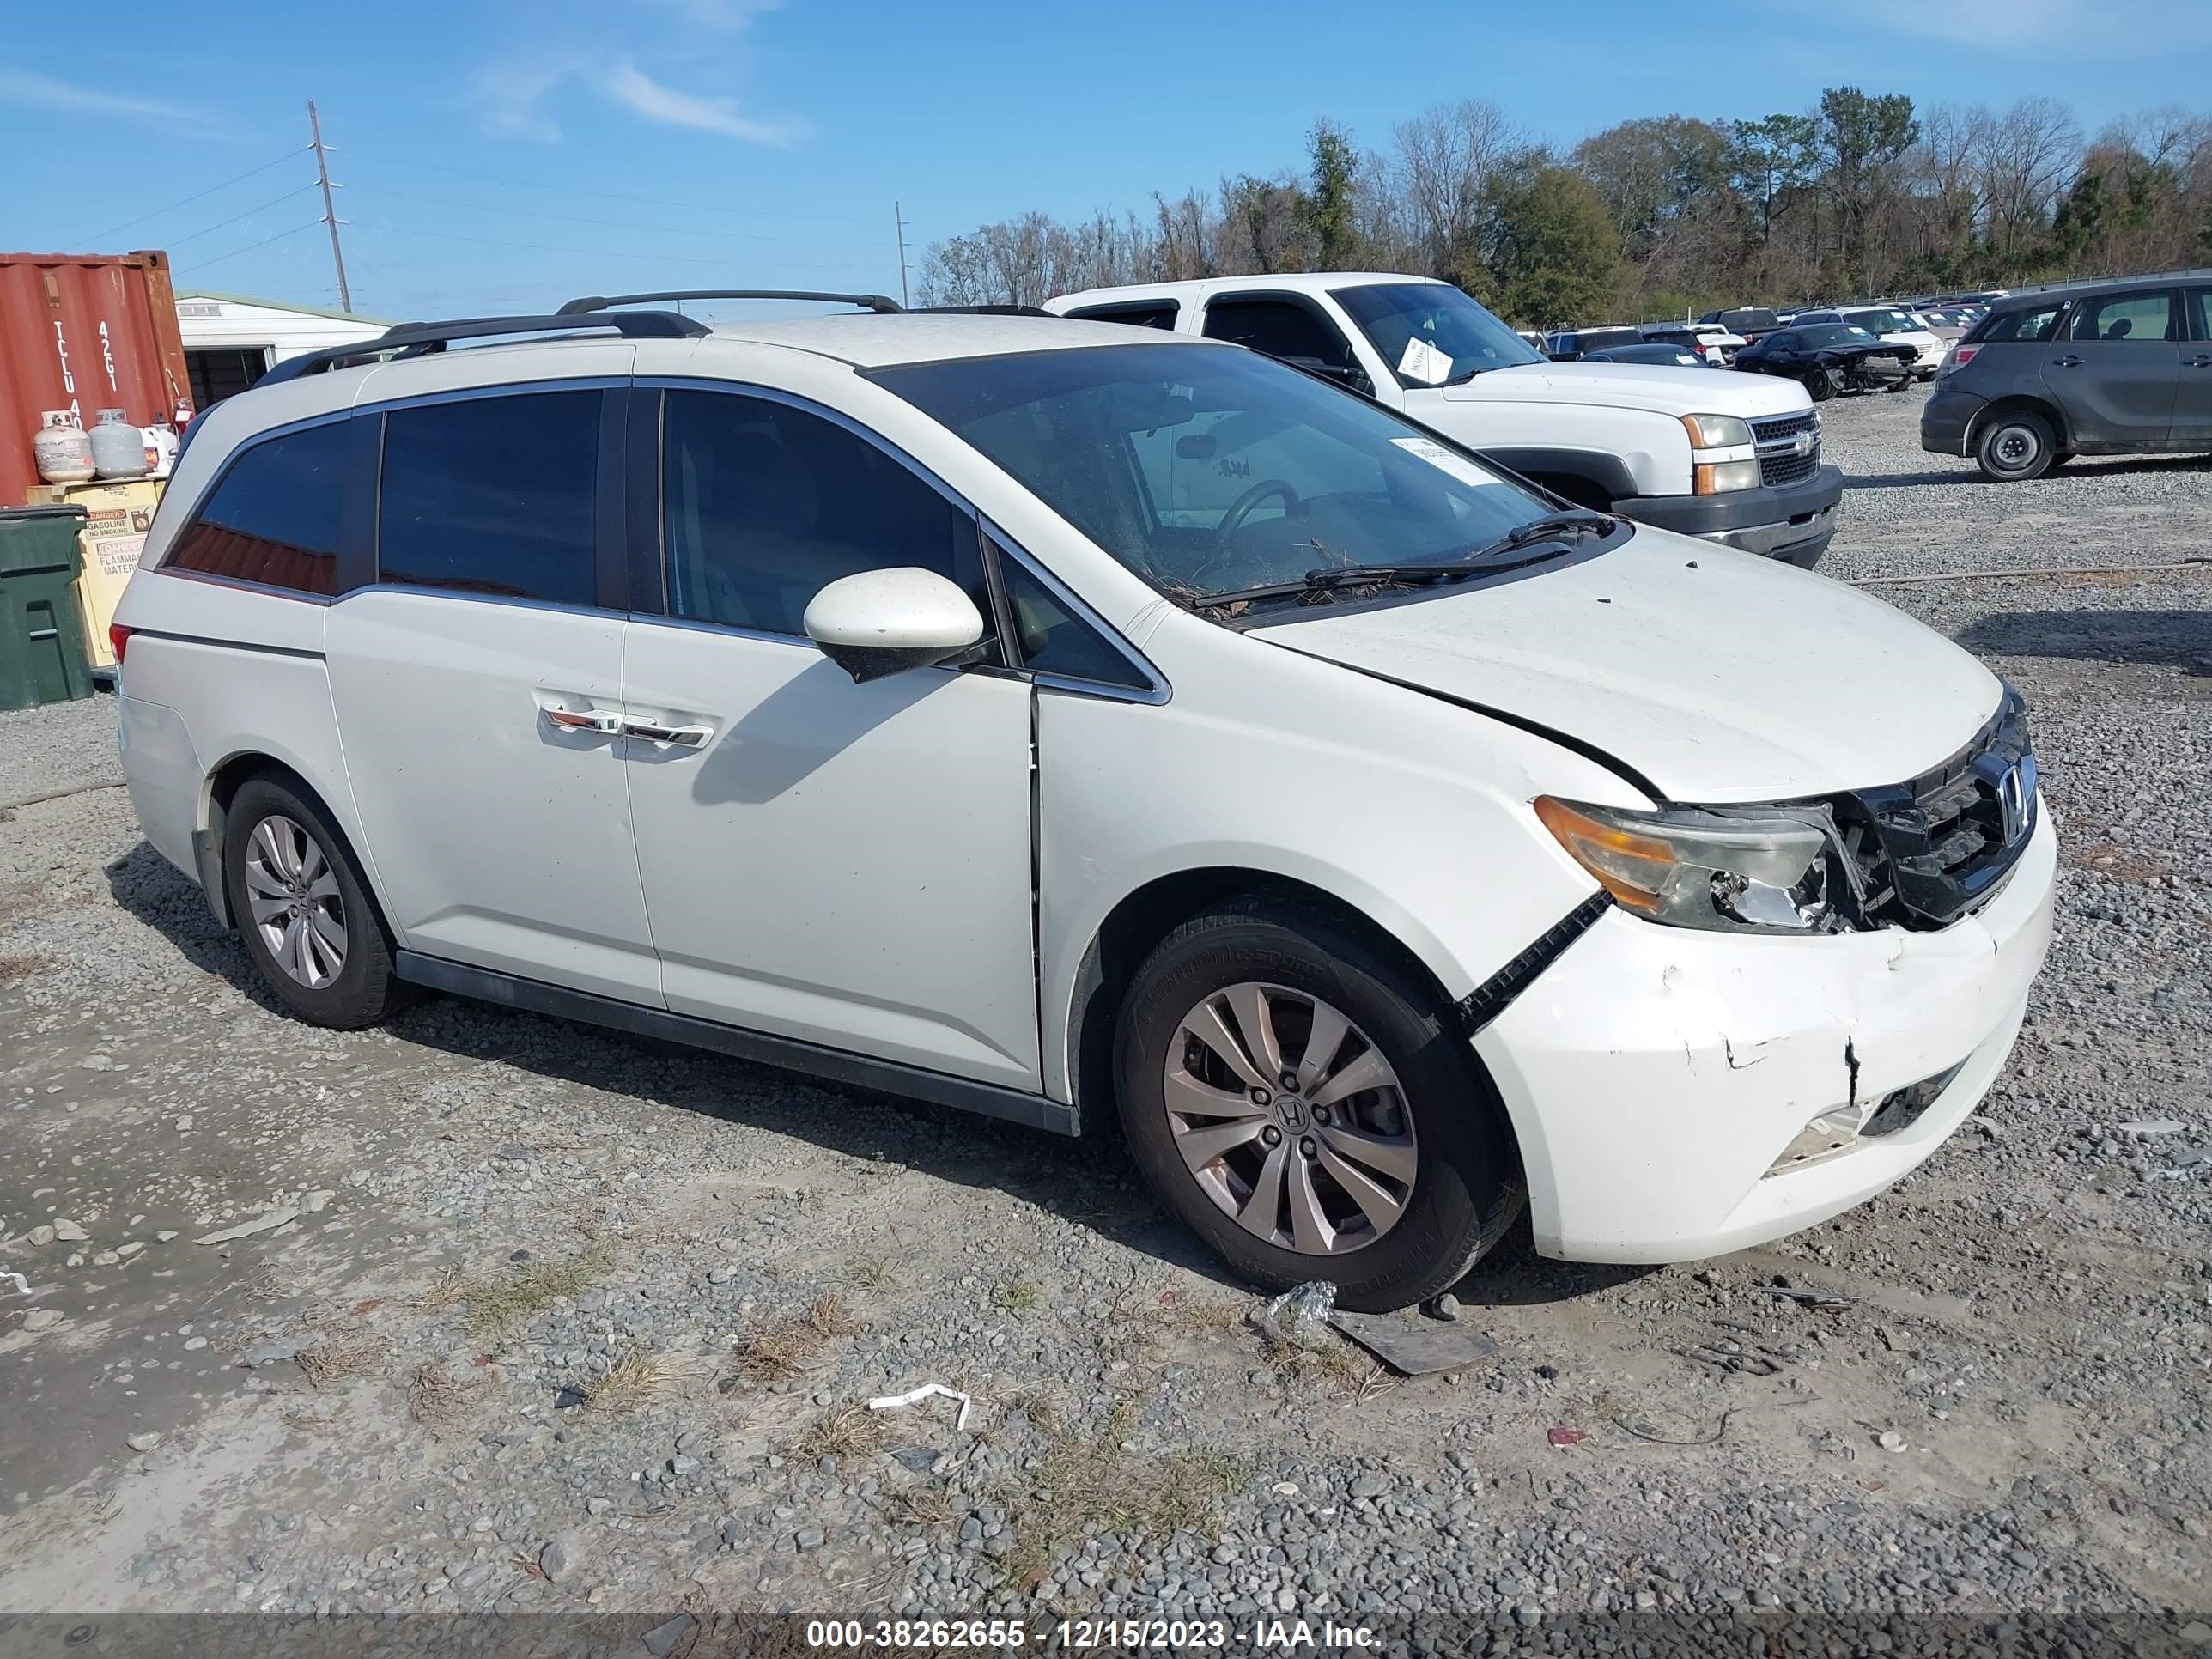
1160	315
273	517
2032	325
1278	328
493	496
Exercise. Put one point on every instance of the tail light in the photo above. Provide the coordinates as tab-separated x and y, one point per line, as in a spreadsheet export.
1959	357
118	636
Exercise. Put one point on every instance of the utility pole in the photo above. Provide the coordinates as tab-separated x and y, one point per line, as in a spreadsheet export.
329	212
898	220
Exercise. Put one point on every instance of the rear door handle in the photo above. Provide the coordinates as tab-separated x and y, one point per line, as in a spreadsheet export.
585	719
687	737
2197	362
2066	362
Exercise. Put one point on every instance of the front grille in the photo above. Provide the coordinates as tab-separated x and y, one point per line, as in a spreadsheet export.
1930	849
1779	461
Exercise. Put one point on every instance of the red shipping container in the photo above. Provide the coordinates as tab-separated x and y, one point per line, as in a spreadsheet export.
86	331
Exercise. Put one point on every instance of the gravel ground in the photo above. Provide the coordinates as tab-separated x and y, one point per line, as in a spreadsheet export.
541	1317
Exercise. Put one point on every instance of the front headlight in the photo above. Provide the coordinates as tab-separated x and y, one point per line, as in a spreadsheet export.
1721	453
1728	869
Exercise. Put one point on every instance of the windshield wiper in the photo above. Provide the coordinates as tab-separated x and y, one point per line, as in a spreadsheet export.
1477	562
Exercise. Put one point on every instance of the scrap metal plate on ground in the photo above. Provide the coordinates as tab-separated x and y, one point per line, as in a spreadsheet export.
1414	1343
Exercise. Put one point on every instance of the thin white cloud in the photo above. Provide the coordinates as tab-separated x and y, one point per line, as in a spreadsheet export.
27	88
633	90
516	96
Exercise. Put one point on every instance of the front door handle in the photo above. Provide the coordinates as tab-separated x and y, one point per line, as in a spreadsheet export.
2066	362
585	719
688	737
2197	362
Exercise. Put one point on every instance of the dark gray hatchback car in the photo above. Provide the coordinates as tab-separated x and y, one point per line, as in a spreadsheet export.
2118	368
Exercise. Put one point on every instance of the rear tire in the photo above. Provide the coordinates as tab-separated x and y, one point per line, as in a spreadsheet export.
1395	1101
1819	386
2016	447
303	911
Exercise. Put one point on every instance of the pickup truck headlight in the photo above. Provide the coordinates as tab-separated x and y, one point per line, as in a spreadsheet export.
1721	453
1761	870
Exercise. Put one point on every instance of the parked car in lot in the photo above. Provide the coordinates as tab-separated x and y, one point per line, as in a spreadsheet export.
1716	344
1734	460
2116	367
1064	722
1571	344
1749	321
1676	356
1828	358
1888	324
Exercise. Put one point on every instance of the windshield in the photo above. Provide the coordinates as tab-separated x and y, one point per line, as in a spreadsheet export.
1883	322
1834	334
1431	334
1208	470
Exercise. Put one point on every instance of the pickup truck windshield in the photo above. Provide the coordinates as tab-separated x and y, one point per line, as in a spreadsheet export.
1881	322
1431	334
1208	470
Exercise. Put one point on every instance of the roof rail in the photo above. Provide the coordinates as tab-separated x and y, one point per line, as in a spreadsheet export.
991	311
602	302
414	339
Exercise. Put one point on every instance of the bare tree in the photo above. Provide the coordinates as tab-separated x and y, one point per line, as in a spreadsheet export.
1447	157
2025	158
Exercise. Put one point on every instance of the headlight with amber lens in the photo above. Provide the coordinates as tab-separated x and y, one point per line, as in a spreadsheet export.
1728	869
1722	452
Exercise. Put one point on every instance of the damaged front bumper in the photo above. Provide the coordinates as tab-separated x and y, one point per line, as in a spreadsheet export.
1679	1095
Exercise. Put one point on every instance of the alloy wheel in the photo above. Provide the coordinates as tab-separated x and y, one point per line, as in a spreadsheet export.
1289	1120
298	910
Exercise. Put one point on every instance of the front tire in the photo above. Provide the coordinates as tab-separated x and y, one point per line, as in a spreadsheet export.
2016	447
303	910
1302	1103
1820	386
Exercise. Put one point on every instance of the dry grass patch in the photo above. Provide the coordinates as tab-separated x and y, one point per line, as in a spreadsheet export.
871	1273
1080	1482
786	1350
1019	1295
848	1432
925	1506
493	1306
341	1356
437	1400
2117	862
20	965
638	1380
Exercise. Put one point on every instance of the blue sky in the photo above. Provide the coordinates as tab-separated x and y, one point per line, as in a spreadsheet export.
500	154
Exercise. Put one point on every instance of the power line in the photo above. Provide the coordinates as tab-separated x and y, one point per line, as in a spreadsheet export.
266	241
131	224
573	219
179	242
586	252
570	189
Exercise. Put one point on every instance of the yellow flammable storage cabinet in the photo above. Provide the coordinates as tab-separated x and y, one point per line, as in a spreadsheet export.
116	516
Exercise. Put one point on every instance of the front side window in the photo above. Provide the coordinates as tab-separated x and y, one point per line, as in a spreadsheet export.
273	519
493	496
1278	328
2135	317
2202	299
765	505
1208	471
1431	334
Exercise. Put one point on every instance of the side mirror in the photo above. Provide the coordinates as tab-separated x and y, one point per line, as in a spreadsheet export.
885	622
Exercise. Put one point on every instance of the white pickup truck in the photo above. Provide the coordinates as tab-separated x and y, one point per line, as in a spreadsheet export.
1732	457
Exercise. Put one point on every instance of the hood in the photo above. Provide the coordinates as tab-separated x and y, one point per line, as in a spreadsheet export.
1719	676
1632	385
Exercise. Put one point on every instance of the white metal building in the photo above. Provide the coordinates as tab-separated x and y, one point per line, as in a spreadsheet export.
230	338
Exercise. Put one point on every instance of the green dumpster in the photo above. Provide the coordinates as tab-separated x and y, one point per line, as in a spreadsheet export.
42	658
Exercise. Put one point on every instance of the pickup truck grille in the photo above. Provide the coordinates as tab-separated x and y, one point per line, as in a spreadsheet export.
1780	461
1930	849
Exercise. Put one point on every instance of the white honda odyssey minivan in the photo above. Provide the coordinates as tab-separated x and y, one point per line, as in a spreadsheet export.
1080	724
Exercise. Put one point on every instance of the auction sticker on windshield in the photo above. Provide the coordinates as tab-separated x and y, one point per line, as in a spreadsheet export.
1422	362
1444	460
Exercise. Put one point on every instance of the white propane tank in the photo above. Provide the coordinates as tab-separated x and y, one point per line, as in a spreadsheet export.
62	449
119	448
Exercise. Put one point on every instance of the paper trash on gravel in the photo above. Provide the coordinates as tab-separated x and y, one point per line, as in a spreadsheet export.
260	1224
1295	1314
891	1402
